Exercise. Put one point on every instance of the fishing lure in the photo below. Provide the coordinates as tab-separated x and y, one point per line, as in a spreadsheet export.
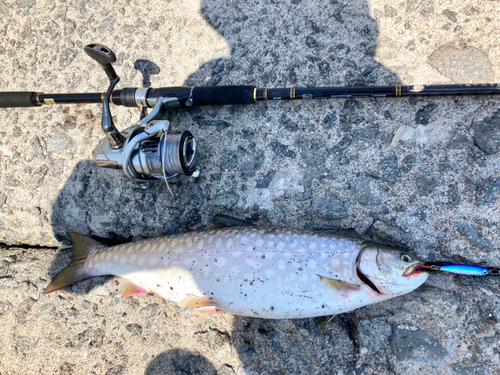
463	269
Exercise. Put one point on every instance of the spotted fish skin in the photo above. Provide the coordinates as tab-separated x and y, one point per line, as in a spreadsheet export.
248	271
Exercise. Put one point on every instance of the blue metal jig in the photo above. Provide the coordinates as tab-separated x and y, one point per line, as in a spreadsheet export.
463	269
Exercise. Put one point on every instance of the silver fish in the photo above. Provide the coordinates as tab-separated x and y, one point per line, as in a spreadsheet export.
251	271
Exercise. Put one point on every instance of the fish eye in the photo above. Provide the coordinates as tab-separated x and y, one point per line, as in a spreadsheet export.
405	258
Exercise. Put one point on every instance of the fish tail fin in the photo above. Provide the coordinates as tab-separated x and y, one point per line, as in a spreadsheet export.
82	246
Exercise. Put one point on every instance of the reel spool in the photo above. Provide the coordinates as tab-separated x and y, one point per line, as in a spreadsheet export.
167	156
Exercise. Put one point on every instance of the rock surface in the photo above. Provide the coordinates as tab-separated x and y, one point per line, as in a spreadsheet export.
324	165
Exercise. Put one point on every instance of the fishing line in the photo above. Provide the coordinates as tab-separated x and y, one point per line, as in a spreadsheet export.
356	167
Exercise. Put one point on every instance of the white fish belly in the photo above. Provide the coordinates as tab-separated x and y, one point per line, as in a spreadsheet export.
257	272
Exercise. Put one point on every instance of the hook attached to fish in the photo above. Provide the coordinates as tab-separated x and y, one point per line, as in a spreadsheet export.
463	269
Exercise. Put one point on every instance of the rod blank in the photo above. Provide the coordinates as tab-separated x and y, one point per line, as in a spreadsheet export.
220	95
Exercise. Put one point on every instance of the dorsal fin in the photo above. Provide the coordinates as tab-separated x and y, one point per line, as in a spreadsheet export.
224	221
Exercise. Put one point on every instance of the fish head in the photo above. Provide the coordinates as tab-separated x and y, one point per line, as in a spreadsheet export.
389	271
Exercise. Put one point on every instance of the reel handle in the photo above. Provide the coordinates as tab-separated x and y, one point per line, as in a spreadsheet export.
104	56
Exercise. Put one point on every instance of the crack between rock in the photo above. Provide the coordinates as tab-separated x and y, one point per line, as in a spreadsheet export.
5	246
351	324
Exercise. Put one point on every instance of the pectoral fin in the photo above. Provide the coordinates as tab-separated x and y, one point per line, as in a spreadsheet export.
339	284
128	288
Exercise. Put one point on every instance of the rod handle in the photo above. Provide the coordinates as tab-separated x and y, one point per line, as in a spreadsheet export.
11	99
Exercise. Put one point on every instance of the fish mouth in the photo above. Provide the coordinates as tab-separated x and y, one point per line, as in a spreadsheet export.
414	269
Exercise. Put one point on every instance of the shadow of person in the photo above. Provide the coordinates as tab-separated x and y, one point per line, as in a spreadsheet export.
180	362
271	44
294	44
299	44
277	44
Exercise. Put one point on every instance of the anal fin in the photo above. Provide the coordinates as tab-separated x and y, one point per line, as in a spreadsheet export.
128	289
209	310
201	305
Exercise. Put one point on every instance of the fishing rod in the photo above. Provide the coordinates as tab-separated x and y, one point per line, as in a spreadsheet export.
148	151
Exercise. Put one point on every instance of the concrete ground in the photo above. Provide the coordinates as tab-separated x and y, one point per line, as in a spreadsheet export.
418	173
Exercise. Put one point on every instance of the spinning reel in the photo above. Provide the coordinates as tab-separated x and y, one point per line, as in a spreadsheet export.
147	150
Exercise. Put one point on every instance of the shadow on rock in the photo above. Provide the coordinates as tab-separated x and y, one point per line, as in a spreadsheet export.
337	44
147	68
293	347
180	362
105	205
